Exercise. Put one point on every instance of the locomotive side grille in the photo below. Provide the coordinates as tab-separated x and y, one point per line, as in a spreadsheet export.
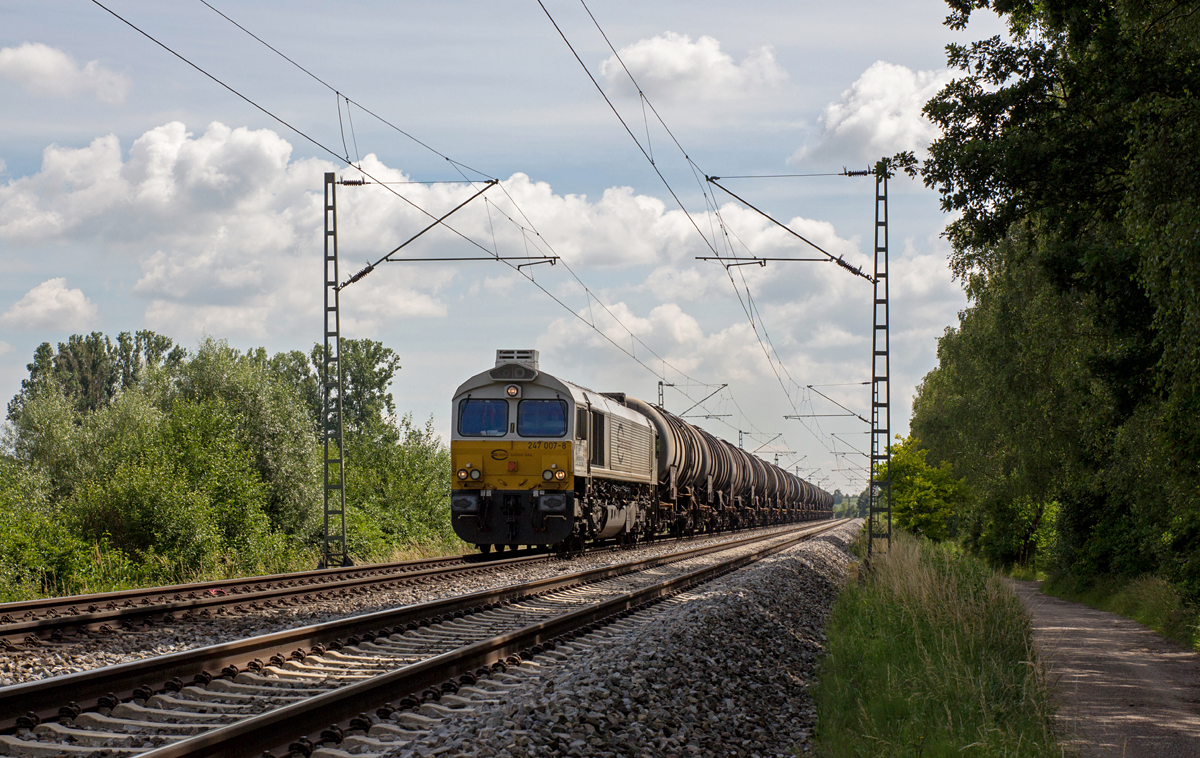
629	444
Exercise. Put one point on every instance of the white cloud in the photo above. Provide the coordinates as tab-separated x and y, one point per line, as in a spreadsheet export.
50	305
5	347
172	317
226	227
671	66
878	116
48	71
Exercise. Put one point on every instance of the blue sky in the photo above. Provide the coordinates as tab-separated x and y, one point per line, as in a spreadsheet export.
136	193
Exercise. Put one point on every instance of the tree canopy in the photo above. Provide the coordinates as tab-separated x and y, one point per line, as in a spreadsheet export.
135	461
925	499
1067	391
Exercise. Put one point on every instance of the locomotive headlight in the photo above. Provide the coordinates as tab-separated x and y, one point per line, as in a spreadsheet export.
547	475
462	474
476	473
513	390
560	475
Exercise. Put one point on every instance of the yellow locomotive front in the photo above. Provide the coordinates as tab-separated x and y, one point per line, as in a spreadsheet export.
513	455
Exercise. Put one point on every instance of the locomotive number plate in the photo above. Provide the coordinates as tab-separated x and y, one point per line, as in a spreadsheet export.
548	445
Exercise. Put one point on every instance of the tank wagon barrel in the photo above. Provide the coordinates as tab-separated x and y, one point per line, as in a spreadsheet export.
539	460
706	464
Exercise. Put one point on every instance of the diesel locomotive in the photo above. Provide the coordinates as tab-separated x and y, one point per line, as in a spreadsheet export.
538	460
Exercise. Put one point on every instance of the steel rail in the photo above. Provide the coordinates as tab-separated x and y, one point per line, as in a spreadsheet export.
285	586
63	613
164	591
275	730
44	697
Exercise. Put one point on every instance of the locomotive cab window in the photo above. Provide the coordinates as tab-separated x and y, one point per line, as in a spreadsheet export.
542	418
482	418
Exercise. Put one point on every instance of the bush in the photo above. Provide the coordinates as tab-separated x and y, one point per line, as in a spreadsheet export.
930	654
38	553
200	468
398	482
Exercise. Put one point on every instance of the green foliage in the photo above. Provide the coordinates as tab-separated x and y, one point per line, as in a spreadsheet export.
367	370
925	499
398	480
195	467
1066	395
270	423
1008	404
90	370
930	654
36	548
146	465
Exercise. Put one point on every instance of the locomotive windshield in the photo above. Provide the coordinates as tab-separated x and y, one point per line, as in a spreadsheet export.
483	418
542	418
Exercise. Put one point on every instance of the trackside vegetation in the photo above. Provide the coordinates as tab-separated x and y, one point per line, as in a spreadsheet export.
136	462
1065	398
930	654
1148	600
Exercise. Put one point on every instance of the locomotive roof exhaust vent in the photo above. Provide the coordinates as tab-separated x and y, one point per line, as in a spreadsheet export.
527	358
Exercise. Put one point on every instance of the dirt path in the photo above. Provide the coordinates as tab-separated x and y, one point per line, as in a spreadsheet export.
1124	690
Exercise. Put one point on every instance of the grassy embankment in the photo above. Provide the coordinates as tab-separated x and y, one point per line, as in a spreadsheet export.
930	654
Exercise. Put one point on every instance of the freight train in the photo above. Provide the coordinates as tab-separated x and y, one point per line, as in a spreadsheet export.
541	461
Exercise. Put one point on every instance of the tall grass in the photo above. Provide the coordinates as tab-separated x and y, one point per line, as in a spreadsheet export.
1148	600
930	654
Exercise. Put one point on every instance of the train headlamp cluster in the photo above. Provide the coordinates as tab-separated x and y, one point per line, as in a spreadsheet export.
559	475
513	390
473	474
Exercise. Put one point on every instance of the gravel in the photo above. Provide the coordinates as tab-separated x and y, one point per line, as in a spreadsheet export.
80	654
721	670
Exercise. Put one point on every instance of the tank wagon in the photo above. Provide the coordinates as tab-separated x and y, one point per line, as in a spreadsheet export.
538	460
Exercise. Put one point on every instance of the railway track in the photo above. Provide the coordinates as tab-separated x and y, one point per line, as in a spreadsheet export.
266	693
53	619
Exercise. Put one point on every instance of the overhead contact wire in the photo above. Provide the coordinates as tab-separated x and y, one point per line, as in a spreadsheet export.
335	90
279	119
749	309
457	164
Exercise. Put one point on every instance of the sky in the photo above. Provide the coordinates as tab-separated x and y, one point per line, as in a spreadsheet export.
140	192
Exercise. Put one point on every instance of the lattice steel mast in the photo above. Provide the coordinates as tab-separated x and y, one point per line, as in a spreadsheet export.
333	552
879	502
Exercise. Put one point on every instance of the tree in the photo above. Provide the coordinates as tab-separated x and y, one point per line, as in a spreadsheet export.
90	370
367	370
271	421
1067	391
925	499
